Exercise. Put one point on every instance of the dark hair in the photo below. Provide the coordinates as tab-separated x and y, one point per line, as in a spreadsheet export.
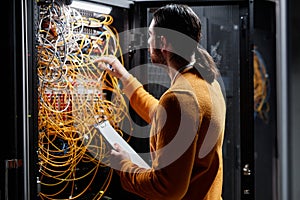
174	20
182	27
206	65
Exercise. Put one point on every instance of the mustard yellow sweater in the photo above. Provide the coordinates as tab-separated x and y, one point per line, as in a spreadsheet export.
186	136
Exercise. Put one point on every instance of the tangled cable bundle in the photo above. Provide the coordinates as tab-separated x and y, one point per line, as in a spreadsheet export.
261	87
73	96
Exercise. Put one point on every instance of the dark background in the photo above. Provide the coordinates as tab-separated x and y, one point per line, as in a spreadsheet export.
266	143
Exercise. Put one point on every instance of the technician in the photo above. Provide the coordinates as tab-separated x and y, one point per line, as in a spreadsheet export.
187	122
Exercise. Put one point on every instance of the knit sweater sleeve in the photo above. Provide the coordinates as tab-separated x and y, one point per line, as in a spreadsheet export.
140	100
173	143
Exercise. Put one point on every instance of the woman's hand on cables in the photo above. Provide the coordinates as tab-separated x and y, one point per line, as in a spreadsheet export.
113	66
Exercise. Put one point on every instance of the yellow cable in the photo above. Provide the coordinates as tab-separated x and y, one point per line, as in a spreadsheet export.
72	98
261	81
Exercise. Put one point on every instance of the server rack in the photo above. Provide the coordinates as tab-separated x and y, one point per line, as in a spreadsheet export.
237	76
226	32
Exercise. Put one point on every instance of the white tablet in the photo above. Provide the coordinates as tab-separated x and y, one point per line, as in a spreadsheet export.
112	137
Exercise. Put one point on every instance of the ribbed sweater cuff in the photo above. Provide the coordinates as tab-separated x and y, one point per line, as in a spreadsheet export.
131	85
